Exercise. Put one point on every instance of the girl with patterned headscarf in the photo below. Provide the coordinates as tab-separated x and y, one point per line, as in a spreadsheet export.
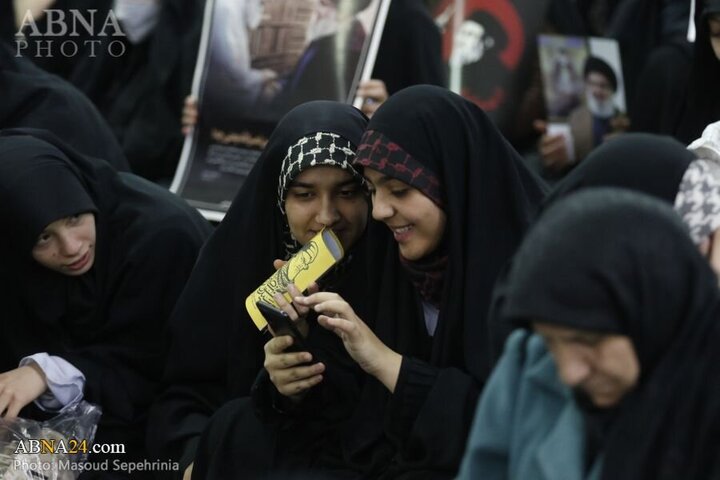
302	182
421	343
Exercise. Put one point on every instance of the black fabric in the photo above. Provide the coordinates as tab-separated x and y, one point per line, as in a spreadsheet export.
640	26
658	105
215	349
7	21
634	271
410	48
702	105
421	429
142	96
36	99
108	321
48	55
140	93
597	423
574	17
709	7
652	164
428	275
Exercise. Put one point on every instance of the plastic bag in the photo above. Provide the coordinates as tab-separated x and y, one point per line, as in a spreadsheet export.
49	450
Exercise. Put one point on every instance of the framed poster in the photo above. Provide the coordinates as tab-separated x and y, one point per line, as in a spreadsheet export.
583	87
258	59
489	48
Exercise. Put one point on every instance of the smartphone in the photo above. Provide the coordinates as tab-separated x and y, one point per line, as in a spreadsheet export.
282	324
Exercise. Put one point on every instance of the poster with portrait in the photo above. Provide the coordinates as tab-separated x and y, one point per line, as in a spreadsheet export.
489	48
583	88
258	59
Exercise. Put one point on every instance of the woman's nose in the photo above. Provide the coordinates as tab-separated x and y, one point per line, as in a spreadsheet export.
573	369
381	209
328	214
70	245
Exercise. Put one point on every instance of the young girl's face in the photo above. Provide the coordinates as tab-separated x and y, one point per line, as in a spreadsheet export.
416	221
714	23
67	245
329	197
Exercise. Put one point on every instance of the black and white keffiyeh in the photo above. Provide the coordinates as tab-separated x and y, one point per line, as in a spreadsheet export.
318	149
698	199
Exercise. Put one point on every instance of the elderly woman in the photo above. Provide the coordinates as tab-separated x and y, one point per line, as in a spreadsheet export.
614	289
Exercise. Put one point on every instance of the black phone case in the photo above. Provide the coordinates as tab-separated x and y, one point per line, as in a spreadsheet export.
281	324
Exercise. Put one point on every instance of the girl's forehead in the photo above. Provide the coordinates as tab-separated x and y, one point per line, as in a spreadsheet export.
379	178
322	173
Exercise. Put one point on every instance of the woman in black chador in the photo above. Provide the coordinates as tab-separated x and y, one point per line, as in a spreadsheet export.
94	262
457	199
302	182
628	310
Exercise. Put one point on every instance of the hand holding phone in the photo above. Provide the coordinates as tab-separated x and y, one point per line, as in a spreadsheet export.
282	324
291	379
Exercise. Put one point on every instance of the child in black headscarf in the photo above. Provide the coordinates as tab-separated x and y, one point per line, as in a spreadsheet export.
94	263
303	181
628	309
466	200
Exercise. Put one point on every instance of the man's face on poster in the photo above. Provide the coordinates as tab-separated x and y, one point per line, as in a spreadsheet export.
254	10
469	42
325	19
600	94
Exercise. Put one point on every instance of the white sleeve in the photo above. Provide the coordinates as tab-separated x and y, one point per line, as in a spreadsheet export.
65	382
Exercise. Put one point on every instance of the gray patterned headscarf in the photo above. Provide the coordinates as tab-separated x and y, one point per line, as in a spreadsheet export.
698	199
708	145
318	149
